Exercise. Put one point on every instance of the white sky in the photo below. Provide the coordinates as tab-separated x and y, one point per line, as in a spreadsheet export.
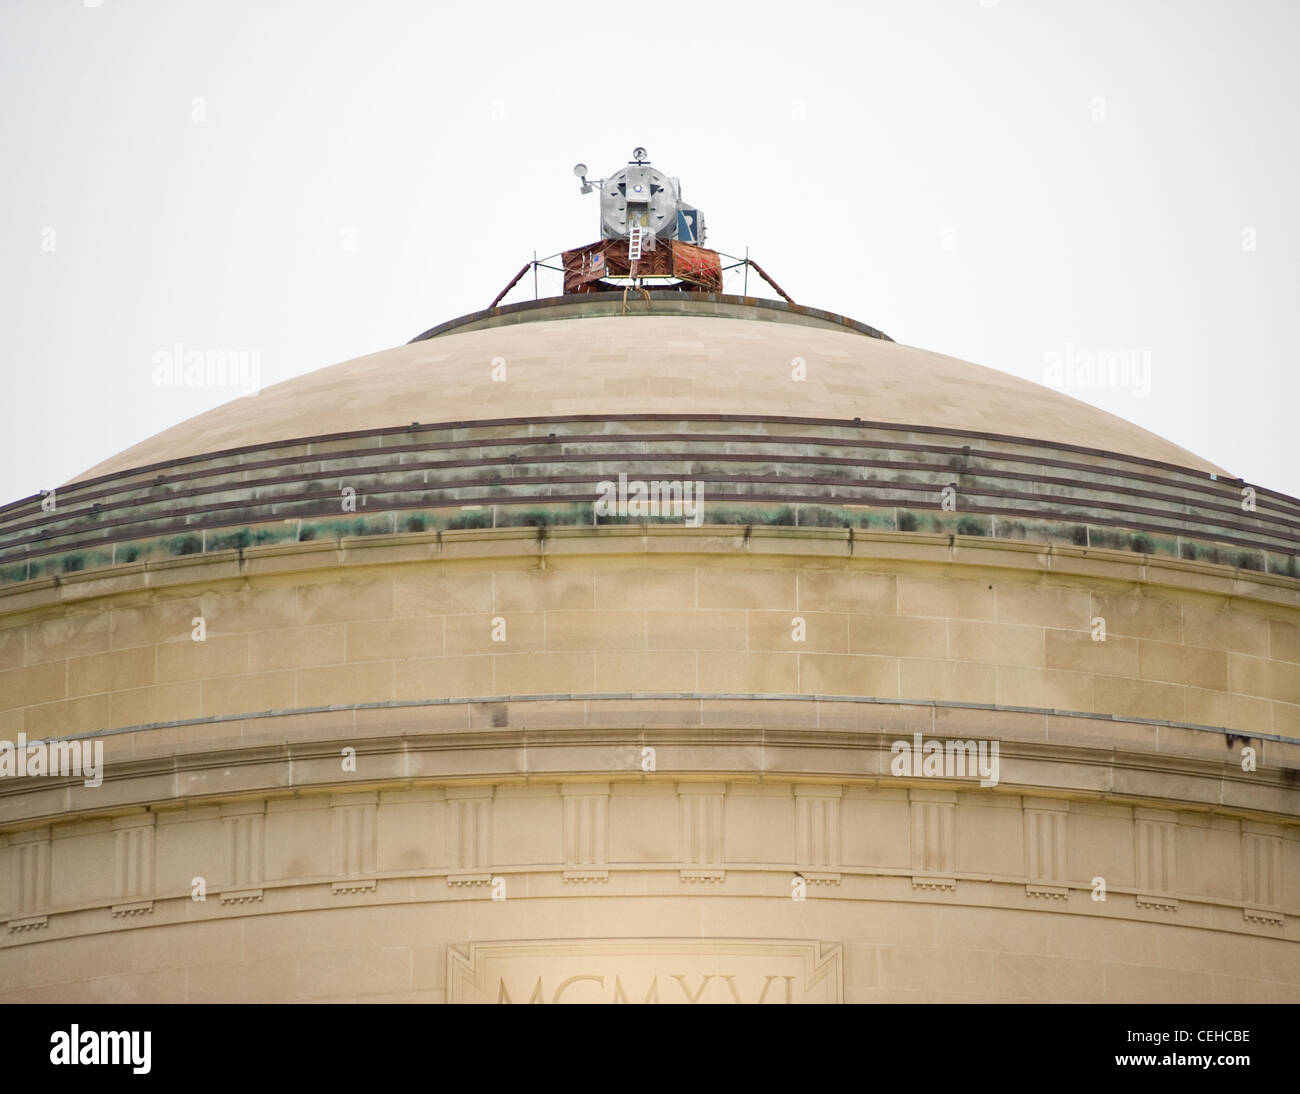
933	169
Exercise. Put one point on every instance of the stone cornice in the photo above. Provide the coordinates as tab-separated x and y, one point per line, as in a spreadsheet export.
751	738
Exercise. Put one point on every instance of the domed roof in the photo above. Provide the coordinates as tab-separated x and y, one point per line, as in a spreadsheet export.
685	360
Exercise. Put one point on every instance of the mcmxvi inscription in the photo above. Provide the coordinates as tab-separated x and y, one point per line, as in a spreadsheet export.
646	970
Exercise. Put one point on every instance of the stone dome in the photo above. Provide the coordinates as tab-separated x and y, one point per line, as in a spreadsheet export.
678	355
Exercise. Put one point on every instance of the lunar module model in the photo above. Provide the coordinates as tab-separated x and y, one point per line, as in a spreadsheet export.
649	237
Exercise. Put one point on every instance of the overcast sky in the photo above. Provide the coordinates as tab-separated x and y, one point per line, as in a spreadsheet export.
1017	184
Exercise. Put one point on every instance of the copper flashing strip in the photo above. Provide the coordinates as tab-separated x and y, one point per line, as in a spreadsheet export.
127	480
1177	507
1192	507
871	492
1209	501
329	509
230	454
865	487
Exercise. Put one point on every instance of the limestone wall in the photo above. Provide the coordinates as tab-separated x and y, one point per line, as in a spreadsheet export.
518	768
405	618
